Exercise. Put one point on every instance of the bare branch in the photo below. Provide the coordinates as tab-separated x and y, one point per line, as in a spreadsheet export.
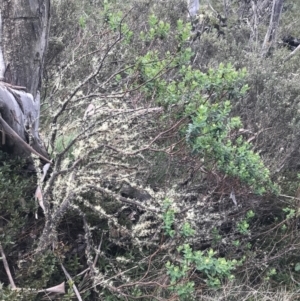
8	130
73	284
292	54
6	266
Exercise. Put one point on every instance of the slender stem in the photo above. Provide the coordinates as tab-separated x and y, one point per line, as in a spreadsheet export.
6	266
73	285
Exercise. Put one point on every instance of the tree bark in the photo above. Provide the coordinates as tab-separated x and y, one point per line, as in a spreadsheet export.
193	7
270	36
24	27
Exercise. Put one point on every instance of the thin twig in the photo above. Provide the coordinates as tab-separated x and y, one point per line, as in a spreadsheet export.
6	266
289	197
98	251
73	284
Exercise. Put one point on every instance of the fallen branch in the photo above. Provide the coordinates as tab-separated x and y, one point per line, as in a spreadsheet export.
8	130
13	86
292	54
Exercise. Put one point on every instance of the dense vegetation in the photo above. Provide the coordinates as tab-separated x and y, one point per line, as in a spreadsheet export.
175	147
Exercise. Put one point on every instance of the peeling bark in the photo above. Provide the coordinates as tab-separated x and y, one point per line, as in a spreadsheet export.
19	121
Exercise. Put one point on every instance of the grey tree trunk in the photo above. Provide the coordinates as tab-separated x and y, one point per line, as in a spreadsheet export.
24	27
193	7
270	36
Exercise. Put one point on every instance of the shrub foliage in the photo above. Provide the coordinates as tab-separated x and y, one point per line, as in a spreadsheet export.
168	156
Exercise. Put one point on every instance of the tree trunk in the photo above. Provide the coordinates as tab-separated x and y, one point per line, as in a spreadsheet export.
270	37
193	7
24	29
